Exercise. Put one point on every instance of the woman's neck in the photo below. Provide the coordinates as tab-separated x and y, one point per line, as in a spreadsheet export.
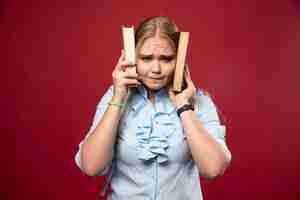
151	96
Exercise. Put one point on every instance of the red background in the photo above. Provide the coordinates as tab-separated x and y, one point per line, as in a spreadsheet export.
57	58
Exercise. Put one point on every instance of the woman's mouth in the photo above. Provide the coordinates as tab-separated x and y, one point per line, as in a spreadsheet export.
157	78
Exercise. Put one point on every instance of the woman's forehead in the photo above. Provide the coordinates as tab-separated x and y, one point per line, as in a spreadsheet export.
157	45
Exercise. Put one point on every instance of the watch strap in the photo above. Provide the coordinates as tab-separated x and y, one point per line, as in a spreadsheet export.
185	107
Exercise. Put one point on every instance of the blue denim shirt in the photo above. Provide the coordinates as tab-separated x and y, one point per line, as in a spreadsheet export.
151	158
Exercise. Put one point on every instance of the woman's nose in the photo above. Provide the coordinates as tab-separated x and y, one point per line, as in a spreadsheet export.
156	68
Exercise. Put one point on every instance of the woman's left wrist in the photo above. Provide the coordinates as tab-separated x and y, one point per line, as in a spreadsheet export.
184	108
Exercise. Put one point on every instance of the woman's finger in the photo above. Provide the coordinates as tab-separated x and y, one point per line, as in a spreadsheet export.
133	85
120	60
126	64
190	84
187	73
130	81
187	79
122	57
130	72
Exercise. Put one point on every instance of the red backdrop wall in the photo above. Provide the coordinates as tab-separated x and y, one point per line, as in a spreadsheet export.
57	58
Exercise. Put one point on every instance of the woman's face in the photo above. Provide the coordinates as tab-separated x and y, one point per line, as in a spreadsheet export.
156	62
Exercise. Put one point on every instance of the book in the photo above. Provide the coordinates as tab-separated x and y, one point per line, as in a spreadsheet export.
129	44
178	82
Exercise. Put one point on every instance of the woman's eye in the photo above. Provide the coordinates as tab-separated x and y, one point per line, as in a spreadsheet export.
146	59
167	59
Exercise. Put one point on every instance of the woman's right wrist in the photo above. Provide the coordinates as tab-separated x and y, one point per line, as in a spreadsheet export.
117	102
118	99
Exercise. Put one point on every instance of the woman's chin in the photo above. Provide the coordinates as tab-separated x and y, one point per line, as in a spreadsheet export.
154	86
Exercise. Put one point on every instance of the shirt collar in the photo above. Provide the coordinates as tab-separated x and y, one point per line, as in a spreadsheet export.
163	102
143	91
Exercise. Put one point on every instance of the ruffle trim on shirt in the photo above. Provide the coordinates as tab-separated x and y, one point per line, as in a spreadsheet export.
153	142
151	134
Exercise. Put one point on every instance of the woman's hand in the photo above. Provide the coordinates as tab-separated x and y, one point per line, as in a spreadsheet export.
186	96
124	77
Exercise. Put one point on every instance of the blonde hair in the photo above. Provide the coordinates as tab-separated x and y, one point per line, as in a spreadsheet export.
156	25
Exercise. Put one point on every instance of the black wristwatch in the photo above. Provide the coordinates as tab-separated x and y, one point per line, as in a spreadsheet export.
185	107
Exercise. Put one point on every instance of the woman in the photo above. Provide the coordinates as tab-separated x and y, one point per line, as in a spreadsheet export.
154	143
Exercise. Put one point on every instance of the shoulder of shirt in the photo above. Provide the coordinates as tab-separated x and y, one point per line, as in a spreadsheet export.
200	92
203	99
106	96
109	90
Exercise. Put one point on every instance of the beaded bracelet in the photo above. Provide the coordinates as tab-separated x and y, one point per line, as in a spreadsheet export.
119	105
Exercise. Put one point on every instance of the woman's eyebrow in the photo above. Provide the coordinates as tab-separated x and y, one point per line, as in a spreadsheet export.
145	55
167	56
